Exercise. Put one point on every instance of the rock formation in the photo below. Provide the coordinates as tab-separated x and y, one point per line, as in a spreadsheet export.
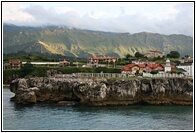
103	92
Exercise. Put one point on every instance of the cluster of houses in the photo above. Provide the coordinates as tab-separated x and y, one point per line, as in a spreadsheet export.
137	66
147	66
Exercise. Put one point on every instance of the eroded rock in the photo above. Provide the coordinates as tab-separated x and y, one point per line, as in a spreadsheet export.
119	92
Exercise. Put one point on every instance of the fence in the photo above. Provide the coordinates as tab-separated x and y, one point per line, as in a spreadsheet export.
114	75
91	75
163	75
100	75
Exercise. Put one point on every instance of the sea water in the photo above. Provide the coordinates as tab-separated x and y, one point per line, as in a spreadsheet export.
45	116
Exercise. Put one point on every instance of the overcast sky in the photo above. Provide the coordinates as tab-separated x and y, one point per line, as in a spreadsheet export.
156	17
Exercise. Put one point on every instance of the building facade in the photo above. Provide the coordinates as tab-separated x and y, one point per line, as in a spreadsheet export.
15	64
95	61
151	67
133	68
154	53
63	63
188	67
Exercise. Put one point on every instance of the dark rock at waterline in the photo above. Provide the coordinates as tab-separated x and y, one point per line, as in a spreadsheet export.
160	91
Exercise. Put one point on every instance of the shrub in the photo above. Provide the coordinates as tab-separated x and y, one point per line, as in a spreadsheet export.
39	72
9	75
179	73
26	69
154	72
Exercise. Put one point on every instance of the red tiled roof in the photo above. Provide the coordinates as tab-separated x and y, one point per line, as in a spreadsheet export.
14	62
172	66
62	59
141	65
141	60
153	65
126	68
129	66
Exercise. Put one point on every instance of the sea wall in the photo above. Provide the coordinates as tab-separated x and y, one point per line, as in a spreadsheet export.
156	91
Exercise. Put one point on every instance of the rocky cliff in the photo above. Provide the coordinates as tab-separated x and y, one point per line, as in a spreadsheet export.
103	92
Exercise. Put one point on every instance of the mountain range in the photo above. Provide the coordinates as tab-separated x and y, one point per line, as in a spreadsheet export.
84	43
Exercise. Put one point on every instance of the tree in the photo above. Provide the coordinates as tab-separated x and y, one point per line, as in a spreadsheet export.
128	56
26	69
186	56
174	54
138	55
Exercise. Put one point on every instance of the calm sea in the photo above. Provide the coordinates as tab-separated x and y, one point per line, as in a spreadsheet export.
65	117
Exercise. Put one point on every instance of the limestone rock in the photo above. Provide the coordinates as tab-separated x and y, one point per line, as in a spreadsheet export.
102	92
24	94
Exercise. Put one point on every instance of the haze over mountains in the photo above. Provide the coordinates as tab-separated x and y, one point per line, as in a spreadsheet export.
85	43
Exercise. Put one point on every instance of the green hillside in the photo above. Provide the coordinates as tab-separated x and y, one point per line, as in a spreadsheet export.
84	43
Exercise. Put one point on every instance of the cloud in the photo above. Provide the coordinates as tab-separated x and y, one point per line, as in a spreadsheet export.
14	12
175	19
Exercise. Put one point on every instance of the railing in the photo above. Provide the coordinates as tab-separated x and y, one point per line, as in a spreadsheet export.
113	75
94	75
163	75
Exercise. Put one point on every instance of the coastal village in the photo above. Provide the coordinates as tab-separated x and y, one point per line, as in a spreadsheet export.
96	66
139	67
138	82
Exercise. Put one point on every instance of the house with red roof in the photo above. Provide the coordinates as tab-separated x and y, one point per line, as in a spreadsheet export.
95	61
132	68
15	64
63	62
151	67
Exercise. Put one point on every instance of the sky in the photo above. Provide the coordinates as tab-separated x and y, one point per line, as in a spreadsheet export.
133	17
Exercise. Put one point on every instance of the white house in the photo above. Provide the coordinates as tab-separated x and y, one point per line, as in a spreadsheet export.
167	66
188	67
